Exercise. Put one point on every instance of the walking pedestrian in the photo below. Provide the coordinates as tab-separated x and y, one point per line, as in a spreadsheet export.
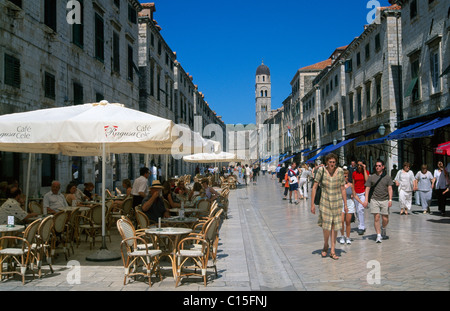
305	173
286	186
333	192
359	178
424	184
292	173
404	180
441	177
347	216
379	193
248	172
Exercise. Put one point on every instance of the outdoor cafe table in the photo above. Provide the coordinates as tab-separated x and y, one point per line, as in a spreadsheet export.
5	230
177	221
174	235
72	208
187	211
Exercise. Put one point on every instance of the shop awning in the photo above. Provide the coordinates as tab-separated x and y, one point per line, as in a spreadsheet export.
424	130
330	148
443	149
382	140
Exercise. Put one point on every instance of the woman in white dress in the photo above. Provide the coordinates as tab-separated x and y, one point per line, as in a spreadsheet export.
405	183
303	182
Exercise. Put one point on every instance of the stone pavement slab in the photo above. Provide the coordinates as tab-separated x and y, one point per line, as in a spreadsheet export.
267	244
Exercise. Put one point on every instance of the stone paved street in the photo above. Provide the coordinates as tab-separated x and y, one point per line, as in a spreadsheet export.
269	244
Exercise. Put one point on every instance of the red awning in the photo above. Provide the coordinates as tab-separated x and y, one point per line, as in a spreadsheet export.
443	149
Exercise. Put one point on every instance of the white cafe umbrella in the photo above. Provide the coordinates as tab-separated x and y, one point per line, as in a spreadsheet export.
211	157
86	130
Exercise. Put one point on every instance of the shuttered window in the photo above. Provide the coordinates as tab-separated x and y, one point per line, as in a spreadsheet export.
12	71
50	13
77	94
49	85
99	38
116	52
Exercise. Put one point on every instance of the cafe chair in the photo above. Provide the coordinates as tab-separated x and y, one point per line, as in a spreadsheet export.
203	207
134	257
15	257
59	232
196	248
71	229
35	207
91	225
22	256
43	243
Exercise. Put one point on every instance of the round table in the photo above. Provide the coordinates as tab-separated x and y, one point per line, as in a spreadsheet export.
5	230
72	208
177	221
174	235
187	211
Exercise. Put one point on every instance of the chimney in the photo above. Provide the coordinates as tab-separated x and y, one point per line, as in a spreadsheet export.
148	9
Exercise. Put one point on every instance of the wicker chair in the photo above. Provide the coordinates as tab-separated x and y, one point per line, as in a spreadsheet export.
35	207
20	256
72	230
43	243
196	248
133	257
91	225
203	206
59	231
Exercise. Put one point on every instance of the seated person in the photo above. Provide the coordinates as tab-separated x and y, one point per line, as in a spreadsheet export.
70	195
12	207
201	196
195	191
54	200
210	192
126	184
88	188
169	197
153	205
179	187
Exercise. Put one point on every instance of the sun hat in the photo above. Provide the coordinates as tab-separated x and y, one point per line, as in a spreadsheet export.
156	184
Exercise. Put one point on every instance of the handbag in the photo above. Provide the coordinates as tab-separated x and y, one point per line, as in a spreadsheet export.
319	190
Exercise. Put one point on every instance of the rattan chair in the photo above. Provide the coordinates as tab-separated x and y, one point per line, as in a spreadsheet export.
203	207
91	225
72	230
133	257
59	231
22	256
196	248
35	207
43	243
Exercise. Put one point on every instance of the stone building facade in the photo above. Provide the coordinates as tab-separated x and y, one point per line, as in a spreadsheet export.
425	75
48	62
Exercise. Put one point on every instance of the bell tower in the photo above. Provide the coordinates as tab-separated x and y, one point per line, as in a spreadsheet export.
263	94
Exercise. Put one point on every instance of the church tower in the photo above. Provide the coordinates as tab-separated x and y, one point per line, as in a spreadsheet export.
263	94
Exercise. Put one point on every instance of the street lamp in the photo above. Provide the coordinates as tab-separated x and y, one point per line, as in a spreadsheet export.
382	130
334	141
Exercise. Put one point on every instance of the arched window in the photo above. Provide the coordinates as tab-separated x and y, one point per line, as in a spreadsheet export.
265	93
262	93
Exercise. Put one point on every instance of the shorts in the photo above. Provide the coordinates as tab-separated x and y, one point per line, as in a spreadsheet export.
293	187
350	206
379	207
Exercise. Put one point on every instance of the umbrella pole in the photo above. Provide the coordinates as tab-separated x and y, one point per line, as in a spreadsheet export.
28	182
103	254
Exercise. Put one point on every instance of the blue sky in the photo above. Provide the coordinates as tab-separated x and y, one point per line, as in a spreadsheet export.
221	43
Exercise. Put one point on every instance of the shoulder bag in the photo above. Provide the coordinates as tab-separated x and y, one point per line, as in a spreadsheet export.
319	189
372	189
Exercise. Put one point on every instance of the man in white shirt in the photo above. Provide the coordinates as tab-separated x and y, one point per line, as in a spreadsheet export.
248	172
140	186
54	200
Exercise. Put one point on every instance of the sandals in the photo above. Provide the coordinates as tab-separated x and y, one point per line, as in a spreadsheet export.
334	256
324	251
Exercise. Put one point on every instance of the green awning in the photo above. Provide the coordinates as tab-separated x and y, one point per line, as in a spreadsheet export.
411	86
